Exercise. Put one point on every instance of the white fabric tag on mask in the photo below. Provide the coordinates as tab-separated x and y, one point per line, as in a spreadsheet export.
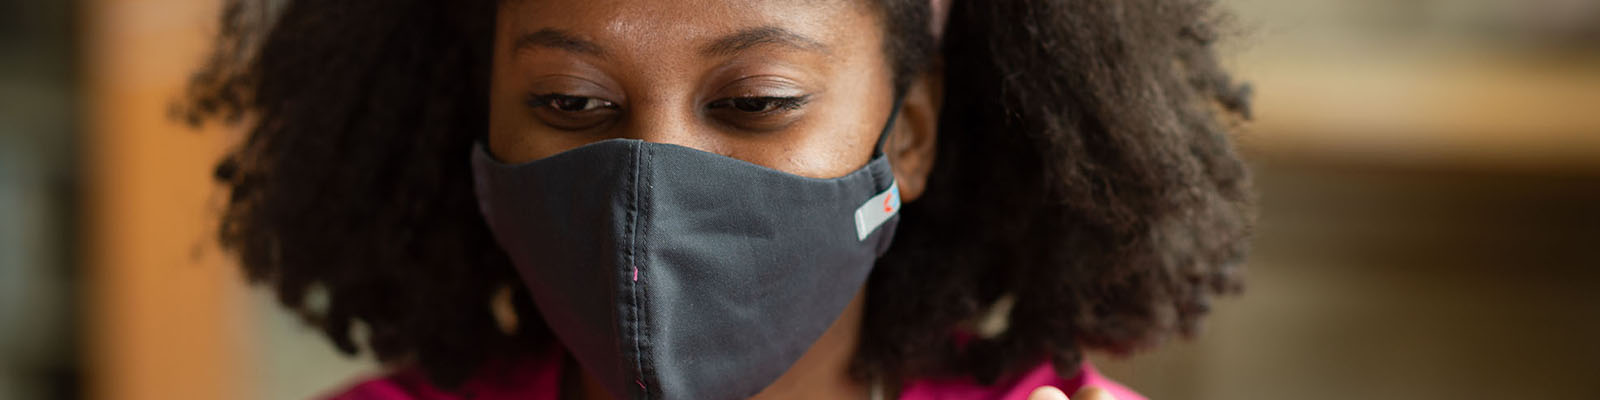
877	210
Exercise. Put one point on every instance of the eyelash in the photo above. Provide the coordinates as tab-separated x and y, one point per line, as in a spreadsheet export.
549	100
771	103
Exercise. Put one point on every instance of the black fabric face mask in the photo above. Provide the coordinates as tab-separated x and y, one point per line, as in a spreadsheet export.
672	273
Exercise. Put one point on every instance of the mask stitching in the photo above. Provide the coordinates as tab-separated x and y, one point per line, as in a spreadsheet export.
640	228
647	369
633	257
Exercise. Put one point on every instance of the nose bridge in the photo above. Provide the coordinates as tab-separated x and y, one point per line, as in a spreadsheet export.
664	120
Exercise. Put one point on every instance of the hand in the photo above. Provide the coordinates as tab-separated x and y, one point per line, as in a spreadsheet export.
1053	393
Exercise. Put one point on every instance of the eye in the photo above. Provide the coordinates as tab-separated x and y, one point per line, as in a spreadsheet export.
759	113
570	104
568	112
759	105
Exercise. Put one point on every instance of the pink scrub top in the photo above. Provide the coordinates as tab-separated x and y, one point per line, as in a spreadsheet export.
540	379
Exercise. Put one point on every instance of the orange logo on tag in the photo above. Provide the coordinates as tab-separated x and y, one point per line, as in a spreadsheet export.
889	203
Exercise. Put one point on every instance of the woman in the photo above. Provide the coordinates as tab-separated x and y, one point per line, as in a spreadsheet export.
697	199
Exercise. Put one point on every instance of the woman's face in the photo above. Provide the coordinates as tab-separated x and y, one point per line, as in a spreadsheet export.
798	86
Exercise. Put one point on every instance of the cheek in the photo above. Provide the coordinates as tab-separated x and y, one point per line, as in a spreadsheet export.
505	124
859	98
842	139
855	113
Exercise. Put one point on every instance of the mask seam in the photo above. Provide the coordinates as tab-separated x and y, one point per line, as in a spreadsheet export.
633	259
647	371
640	228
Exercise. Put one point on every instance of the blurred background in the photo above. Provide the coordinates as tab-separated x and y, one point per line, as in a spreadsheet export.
1429	173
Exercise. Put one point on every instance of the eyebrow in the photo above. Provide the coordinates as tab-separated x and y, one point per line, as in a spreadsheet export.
752	37
724	46
558	39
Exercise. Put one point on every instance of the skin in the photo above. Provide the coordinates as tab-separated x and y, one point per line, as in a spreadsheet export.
815	86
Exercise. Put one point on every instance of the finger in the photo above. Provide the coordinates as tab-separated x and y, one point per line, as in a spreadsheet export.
1092	393
1047	393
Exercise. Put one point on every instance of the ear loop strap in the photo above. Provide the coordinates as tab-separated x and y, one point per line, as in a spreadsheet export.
894	114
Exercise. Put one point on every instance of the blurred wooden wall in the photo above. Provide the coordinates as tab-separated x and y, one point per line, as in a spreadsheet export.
162	320
1429	176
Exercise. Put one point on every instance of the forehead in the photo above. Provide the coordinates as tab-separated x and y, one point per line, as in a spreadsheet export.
655	25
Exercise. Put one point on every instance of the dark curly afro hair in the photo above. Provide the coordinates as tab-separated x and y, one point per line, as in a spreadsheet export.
1086	181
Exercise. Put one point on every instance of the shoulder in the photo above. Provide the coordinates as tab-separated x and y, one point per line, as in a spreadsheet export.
402	385
535	378
1016	389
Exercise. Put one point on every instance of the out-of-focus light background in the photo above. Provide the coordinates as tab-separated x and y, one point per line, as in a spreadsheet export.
1429	173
